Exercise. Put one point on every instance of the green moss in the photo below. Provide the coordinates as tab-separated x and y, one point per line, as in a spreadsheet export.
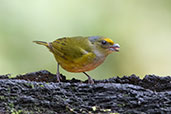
106	110
11	105
30	85
2	97
120	105
41	85
16	111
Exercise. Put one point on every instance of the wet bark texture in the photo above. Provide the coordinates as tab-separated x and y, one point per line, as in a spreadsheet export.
38	92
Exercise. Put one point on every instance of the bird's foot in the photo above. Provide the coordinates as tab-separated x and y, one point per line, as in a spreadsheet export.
59	78
90	80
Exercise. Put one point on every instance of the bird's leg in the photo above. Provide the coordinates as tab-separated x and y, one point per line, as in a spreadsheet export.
58	76
90	80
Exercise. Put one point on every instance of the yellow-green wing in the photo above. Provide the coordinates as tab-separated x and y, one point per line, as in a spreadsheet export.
71	49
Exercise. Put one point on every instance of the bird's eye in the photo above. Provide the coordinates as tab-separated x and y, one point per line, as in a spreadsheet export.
104	42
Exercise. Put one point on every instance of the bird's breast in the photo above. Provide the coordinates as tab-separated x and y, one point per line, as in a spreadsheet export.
84	65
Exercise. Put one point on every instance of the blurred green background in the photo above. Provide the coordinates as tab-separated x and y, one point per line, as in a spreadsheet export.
141	27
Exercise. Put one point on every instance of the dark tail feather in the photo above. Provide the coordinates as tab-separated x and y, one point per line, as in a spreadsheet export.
41	43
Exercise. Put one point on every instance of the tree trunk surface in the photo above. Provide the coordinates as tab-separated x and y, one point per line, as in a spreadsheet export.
38	92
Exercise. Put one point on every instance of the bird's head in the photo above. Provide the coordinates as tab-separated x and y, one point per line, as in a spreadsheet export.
104	45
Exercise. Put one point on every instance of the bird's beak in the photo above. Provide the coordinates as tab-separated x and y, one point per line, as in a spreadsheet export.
115	47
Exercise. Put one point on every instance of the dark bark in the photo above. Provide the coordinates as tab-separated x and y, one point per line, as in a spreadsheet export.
39	92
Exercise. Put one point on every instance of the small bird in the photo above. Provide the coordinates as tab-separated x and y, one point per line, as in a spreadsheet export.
80	54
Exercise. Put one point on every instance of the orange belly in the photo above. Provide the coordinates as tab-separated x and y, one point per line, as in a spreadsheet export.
81	67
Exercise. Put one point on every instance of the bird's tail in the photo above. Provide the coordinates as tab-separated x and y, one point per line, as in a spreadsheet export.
41	43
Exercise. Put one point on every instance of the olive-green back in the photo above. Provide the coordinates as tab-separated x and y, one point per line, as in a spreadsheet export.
71	48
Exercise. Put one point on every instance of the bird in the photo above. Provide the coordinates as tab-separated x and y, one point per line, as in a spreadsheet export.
80	54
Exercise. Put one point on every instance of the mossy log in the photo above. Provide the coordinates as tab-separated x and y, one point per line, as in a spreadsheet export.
38	92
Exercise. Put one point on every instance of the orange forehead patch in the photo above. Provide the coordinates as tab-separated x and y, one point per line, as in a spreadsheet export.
109	40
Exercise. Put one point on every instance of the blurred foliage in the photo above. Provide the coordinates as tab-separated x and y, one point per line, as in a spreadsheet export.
142	28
